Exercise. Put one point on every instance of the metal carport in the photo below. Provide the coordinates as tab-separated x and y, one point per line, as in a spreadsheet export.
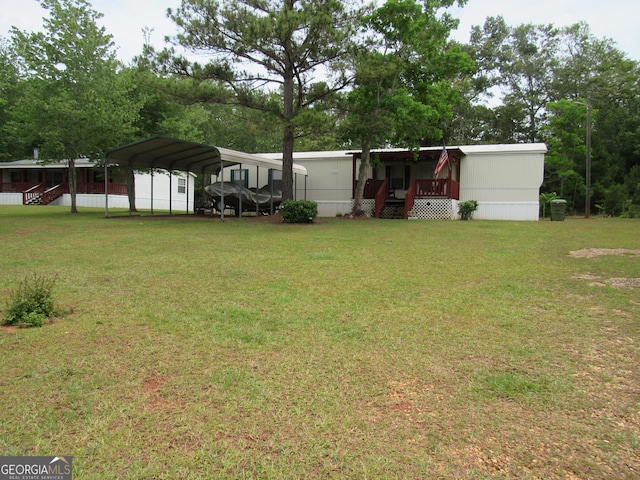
171	154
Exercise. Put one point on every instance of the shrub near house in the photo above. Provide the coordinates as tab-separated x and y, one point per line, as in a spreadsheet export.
298	211
466	209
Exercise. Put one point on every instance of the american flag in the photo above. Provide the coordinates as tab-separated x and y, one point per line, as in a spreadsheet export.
442	161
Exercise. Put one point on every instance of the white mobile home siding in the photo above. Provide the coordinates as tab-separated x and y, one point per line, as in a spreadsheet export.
176	202
162	185
329	180
505	180
180	201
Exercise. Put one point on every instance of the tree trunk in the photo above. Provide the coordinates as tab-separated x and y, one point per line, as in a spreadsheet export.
287	163
288	134
362	173
73	184
131	190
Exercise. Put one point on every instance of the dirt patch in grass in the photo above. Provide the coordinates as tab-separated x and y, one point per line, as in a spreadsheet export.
9	328
17	328
596	281
623	282
155	399
596	252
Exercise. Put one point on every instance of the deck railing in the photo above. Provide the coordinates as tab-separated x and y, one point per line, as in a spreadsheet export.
98	188
30	195
371	187
381	196
32	190
50	194
454	190
16	187
410	197
438	187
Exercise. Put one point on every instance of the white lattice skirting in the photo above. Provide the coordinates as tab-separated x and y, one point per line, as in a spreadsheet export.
434	208
369	206
423	208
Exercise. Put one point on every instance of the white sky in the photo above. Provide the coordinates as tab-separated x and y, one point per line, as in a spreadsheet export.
125	19
614	19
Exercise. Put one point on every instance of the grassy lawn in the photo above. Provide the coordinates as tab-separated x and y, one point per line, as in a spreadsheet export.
344	349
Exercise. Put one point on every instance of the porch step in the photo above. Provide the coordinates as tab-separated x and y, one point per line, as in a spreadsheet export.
37	200
393	209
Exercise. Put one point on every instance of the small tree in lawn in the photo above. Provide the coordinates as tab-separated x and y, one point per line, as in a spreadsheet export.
76	104
403	81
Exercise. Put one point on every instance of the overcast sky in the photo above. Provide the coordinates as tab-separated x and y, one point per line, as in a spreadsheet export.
125	19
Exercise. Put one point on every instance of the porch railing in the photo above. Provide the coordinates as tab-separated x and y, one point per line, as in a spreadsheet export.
16	187
33	194
437	187
454	190
410	197
50	194
381	196
98	188
38	193
371	188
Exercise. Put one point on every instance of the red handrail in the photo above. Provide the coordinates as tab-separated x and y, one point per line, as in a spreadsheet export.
32	193
455	190
52	193
98	188
410	197
430	187
381	196
15	187
371	186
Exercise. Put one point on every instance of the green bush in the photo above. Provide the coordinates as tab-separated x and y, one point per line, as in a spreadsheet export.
466	209
545	200
614	200
298	211
31	303
630	210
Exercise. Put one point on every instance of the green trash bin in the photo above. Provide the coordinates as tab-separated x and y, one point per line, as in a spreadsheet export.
558	208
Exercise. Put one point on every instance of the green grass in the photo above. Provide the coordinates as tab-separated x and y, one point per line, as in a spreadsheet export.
343	349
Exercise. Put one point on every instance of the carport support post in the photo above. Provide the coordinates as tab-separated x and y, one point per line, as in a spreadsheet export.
257	190
170	191
152	191
106	189
271	188
187	182
240	199
204	194
221	188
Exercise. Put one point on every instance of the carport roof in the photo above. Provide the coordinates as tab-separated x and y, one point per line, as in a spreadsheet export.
172	154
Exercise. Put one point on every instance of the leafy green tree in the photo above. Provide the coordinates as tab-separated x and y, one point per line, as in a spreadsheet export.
539	70
520	63
594	68
266	56
75	105
11	142
180	106
565	135
473	119
403	81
